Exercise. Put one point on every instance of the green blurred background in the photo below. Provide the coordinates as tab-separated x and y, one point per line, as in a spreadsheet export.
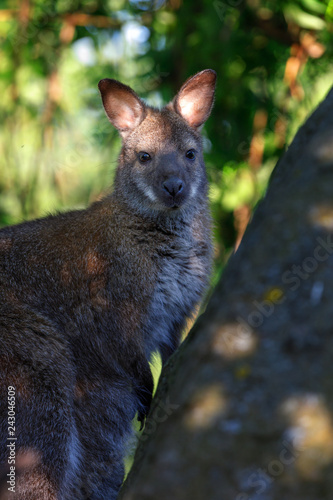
57	149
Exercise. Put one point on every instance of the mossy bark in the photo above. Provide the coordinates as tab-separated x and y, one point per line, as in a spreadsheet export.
244	410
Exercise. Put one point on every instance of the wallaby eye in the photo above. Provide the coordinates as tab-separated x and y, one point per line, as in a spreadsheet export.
143	157
190	154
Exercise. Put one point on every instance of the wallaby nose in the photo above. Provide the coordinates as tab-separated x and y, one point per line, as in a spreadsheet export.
173	186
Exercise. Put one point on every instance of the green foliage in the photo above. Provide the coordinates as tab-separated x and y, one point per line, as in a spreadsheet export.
57	149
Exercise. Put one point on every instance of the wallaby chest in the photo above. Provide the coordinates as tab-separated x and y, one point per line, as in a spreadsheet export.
110	279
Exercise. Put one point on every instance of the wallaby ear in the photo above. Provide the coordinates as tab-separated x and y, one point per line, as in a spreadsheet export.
195	99
123	107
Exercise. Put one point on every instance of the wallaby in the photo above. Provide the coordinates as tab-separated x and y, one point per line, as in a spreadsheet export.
87	296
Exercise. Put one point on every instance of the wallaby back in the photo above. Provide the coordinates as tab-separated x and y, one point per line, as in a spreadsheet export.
87	296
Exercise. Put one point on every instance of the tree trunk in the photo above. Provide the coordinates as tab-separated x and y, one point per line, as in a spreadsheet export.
244	410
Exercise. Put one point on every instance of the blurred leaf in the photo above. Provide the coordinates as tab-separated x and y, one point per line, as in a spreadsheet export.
303	19
316	6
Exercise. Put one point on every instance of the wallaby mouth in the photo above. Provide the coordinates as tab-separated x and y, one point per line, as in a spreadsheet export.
174	204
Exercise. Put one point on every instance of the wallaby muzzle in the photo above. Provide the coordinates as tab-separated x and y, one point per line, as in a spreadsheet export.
173	186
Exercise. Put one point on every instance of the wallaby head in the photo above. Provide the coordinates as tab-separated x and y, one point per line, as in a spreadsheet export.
161	168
